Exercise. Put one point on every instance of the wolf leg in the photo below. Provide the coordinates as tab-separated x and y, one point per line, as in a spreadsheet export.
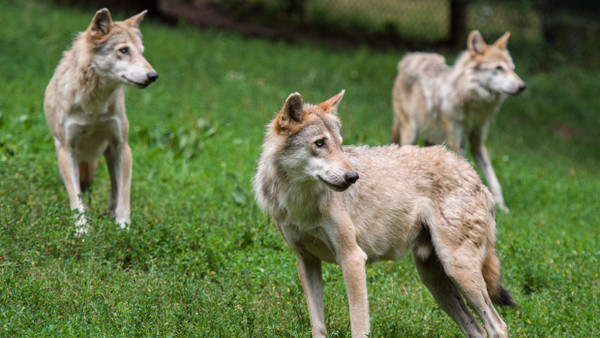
118	160
404	128
446	294
454	135
480	153
309	272
353	269
404	132
463	266
86	174
352	260
395	138
69	170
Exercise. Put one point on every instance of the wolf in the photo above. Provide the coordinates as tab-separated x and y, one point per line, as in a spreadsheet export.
353	205
84	104
455	104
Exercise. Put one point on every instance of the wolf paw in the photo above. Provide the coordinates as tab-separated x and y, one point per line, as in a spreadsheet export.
123	223
81	227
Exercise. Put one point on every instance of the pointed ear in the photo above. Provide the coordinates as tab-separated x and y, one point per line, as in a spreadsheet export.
291	112
502	41
100	26
331	105
135	20
475	43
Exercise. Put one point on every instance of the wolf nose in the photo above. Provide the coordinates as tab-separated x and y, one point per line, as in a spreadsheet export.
152	76
521	88
351	177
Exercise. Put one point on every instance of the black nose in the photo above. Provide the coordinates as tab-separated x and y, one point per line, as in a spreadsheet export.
521	88
351	177
152	76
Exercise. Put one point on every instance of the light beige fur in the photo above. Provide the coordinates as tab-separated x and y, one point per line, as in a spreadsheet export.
85	109
455	105
353	205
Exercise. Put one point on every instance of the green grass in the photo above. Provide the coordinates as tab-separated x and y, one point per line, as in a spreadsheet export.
201	259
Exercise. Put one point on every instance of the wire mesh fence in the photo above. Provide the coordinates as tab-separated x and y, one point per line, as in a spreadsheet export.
569	27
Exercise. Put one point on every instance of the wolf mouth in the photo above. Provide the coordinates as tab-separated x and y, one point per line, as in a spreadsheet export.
140	85
335	187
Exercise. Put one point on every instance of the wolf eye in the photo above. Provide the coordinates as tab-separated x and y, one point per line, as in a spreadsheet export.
499	68
320	143
124	50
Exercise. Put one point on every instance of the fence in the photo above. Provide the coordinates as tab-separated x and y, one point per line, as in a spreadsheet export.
571	27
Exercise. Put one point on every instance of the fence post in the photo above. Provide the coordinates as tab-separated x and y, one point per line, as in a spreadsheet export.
458	22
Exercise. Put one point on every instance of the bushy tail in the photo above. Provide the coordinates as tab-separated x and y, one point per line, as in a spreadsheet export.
493	279
86	174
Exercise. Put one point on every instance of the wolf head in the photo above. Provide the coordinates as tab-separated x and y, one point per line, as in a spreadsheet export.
118	49
495	67
312	146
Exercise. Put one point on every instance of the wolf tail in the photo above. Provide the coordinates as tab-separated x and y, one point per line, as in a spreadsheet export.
86	174
493	278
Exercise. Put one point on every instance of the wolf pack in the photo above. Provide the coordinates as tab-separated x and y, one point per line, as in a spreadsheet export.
349	205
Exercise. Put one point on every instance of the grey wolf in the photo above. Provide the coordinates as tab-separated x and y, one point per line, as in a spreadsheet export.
456	104
355	205
85	109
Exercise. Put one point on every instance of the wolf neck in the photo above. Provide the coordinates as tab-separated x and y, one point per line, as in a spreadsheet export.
283	197
92	87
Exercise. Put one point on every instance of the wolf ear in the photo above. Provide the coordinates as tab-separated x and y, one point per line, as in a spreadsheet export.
502	41
475	43
135	20
331	105
100	25
291	112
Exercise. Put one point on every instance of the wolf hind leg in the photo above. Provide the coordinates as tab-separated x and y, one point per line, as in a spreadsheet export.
446	294
404	128
465	270
395	138
87	170
404	132
482	157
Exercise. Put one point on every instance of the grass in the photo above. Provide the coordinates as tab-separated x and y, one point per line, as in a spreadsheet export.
200	259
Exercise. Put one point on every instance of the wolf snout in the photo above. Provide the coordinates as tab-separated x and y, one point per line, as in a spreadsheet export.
517	90
350	177
151	77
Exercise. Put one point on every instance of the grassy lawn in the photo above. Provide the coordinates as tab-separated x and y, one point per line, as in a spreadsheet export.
201	259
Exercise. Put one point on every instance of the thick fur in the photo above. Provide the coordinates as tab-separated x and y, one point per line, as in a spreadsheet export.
455	105
353	205
85	109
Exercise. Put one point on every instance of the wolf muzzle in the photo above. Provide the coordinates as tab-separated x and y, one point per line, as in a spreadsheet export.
350	177
151	77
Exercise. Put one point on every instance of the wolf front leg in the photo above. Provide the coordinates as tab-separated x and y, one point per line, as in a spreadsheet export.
353	269
69	171
118	159
352	260
309	272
